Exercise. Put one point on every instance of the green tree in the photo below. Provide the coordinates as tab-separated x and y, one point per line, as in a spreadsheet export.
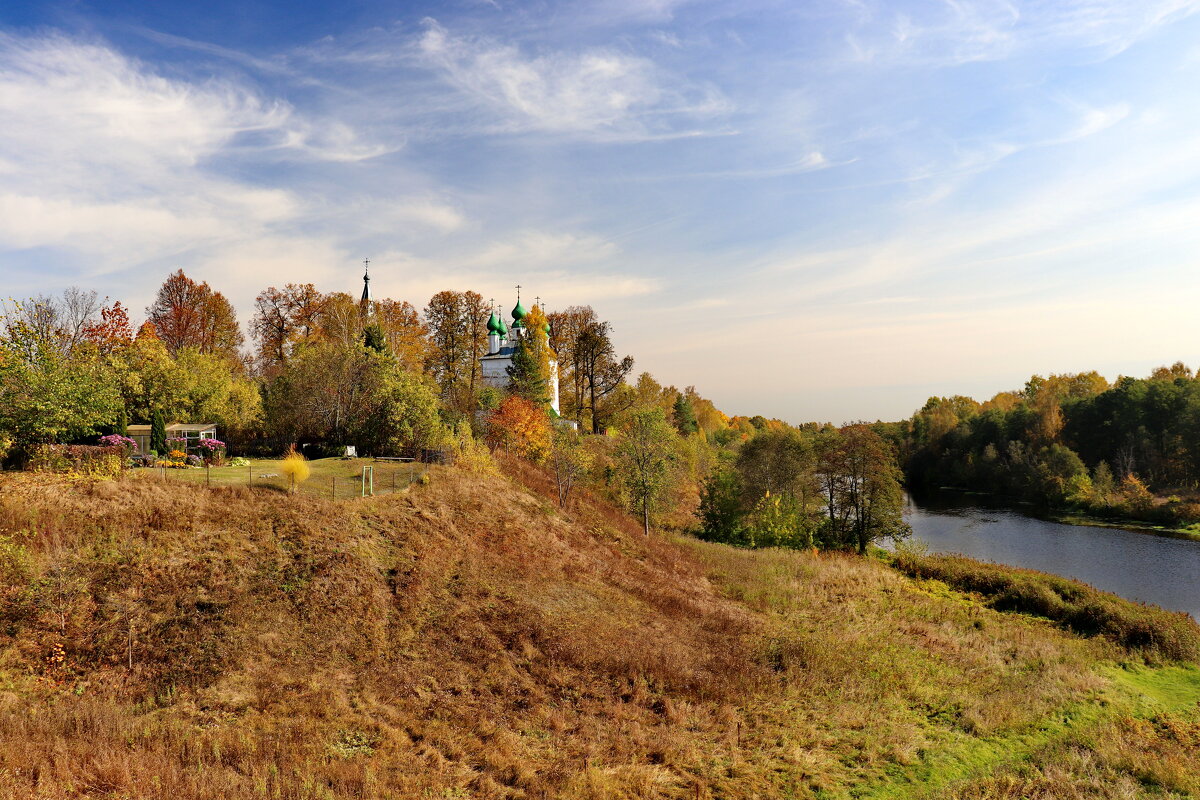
684	416
644	458
47	395
158	433
526	376
374	339
721	513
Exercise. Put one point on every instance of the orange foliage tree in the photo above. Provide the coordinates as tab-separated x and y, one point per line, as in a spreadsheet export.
190	314
520	426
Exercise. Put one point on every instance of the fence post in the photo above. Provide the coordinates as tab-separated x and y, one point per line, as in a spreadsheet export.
393	481
333	489
250	470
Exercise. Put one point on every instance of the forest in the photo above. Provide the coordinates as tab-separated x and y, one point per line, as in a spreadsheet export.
1127	449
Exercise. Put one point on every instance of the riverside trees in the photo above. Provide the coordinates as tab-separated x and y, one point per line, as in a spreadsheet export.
837	489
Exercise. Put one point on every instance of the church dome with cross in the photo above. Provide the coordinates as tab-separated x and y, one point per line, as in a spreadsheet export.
503	342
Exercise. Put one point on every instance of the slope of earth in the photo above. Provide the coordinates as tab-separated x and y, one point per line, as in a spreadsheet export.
467	638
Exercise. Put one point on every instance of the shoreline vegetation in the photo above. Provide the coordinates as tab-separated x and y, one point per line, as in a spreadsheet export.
1086	451
162	638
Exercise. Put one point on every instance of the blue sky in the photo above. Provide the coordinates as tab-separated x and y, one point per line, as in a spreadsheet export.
823	210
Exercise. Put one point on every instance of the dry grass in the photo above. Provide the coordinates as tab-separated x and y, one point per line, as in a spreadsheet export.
469	639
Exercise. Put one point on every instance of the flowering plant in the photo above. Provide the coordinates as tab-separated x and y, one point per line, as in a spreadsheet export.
211	445
117	440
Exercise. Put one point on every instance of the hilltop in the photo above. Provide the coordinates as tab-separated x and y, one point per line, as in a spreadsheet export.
468	638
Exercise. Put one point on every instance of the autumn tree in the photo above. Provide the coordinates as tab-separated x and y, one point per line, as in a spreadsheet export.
565	327
344	392
644	456
47	395
189	314
862	488
407	335
520	426
458	338
283	318
112	331
569	459
601	373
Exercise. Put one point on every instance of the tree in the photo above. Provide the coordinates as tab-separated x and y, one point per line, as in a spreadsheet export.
684	416
520	425
158	434
407	336
565	327
526	376
282	319
569	459
601	373
374	339
49	396
339	393
458	337
112	332
190	314
644	457
863	481
721	513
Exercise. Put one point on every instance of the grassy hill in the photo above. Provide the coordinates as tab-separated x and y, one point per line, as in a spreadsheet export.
466	638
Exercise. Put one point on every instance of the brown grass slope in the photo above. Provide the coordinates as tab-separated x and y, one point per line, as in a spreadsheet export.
467	639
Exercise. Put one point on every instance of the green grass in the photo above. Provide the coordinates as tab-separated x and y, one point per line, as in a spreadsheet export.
335	478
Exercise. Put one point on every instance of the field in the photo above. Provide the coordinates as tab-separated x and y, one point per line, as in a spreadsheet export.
335	478
465	637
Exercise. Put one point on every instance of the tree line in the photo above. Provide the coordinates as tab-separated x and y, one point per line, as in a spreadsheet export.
322	369
1128	448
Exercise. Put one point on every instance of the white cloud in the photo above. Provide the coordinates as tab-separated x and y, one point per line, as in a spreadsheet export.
965	31
597	91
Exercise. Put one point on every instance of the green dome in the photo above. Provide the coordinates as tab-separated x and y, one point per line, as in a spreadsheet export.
546	328
493	325
501	328
519	312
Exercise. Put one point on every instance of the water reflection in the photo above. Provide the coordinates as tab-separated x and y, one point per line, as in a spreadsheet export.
1140	566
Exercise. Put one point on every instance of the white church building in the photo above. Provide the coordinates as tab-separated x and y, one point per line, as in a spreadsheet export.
502	343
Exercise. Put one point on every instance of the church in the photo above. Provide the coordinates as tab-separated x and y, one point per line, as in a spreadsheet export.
502	341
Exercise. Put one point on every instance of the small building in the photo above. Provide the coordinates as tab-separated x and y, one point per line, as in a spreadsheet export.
193	432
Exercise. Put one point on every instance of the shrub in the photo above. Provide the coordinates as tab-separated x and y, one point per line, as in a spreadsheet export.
1149	631
295	466
79	459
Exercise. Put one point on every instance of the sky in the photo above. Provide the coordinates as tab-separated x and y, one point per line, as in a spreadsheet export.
827	210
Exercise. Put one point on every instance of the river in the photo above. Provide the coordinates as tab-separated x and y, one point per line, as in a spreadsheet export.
1141	566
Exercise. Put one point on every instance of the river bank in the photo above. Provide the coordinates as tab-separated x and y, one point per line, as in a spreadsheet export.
1158	569
1066	516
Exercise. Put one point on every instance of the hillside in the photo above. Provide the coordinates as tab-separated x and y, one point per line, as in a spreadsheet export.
465	638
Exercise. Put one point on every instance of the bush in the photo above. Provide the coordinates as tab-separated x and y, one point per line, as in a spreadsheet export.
1152	632
79	459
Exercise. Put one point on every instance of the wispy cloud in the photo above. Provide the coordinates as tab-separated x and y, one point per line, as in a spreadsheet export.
966	31
599	91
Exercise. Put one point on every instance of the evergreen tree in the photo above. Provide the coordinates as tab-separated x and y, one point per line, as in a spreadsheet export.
374	338
685	416
525	375
158	433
